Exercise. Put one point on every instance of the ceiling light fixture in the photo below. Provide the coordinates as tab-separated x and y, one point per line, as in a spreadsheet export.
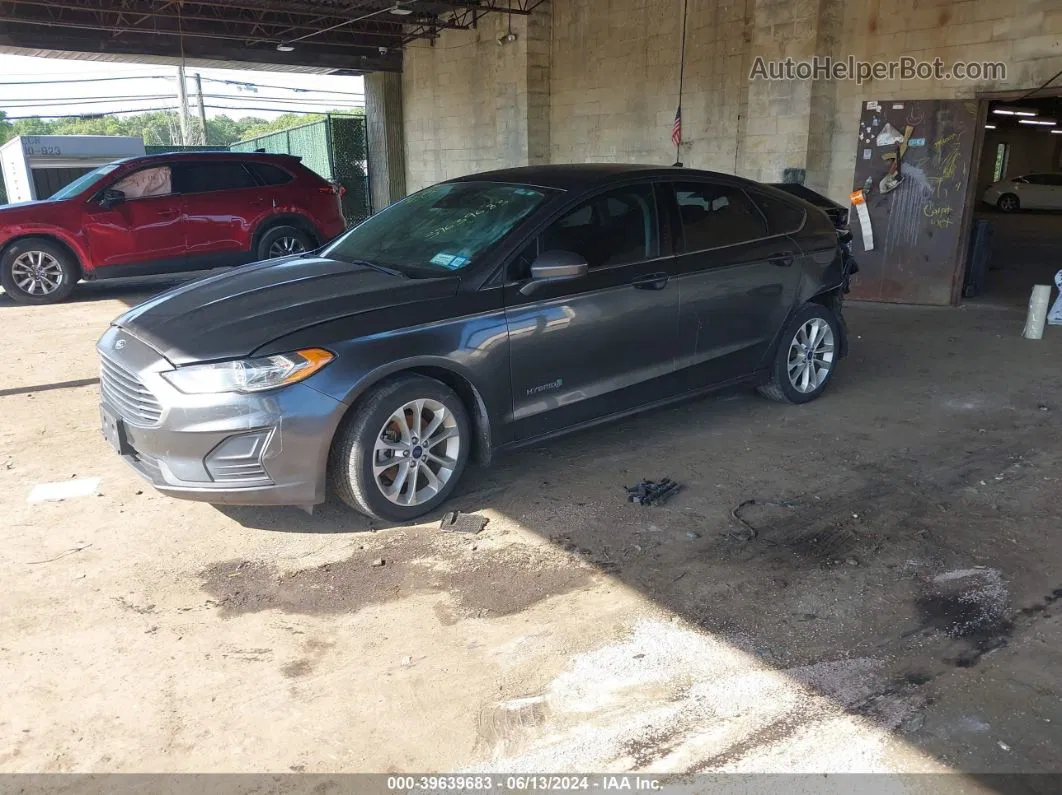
1057	132
285	47
1040	122
1015	112
990	126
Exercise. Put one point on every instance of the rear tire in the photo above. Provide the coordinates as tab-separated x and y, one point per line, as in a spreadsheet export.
806	357
420	425
36	270
283	241
1008	203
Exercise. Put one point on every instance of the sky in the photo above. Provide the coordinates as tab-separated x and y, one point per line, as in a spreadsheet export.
37	97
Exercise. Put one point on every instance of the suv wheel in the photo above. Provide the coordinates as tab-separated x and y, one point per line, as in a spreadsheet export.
38	271
402	451
283	241
806	357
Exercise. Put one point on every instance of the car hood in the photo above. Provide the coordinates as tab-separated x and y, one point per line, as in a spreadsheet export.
9	213
231	314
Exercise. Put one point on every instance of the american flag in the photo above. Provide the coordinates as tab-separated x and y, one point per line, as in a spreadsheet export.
676	128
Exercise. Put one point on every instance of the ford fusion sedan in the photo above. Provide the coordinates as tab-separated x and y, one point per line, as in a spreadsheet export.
477	315
164	214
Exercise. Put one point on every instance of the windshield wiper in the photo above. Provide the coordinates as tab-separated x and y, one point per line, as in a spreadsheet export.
374	265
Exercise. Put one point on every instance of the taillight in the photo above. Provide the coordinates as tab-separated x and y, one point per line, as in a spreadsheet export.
335	188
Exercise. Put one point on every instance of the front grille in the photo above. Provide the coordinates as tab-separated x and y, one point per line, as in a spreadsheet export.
128	394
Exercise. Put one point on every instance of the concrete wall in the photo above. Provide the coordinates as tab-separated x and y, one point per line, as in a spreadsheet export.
472	104
597	80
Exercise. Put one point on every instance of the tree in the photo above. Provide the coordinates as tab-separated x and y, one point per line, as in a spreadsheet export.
159	127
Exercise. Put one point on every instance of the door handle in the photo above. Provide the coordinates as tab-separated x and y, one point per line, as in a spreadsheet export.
168	213
654	281
783	259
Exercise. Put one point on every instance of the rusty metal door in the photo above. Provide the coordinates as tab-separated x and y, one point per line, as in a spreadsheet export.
913	162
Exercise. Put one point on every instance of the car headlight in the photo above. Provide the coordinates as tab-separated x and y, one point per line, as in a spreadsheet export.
248	375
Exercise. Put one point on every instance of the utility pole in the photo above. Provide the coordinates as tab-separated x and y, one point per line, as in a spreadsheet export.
182	105
202	108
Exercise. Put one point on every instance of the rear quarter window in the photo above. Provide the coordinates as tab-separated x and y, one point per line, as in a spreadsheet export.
783	217
268	174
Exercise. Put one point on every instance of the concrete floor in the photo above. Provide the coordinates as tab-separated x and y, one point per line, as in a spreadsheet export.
887	603
1025	252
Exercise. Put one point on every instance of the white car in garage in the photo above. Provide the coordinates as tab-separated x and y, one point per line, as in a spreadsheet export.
1030	192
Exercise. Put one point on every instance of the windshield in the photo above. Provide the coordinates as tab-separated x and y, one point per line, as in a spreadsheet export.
441	228
84	181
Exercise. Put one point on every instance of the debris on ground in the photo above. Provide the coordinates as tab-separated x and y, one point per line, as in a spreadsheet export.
752	531
965	601
64	489
378	563
650	492
457	522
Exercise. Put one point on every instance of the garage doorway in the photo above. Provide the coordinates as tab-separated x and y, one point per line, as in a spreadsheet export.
1017	199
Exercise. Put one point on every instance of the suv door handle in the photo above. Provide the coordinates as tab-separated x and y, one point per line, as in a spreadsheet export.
168	213
782	259
654	281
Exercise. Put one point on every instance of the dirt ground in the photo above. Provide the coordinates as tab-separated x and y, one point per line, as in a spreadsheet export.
867	583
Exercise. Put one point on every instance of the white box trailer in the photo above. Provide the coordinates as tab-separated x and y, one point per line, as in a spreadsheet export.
36	166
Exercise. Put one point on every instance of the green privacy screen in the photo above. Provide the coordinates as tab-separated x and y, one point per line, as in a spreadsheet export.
335	148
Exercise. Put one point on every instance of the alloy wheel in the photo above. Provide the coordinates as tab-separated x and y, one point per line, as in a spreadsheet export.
285	246
416	452
1008	204
37	273
811	356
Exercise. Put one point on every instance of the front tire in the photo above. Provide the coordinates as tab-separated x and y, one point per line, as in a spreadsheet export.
806	357
402	451
283	241
36	270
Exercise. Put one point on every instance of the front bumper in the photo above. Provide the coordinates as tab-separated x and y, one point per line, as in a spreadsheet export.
269	448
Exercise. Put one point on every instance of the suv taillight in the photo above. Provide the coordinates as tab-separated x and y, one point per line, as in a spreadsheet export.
335	188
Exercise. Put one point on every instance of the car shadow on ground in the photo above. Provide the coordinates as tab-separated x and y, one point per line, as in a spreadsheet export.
899	526
130	291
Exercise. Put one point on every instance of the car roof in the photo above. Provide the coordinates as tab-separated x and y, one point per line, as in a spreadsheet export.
208	155
587	175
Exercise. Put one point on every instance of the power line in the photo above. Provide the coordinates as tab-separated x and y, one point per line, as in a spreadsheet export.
101	115
313	111
283	88
88	115
82	80
237	83
29	103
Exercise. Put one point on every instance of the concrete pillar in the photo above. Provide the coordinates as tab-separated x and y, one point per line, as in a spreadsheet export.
387	154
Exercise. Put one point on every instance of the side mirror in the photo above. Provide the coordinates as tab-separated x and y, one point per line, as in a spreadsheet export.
111	197
555	266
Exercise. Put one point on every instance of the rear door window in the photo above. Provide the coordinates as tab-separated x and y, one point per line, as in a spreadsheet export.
206	177
715	215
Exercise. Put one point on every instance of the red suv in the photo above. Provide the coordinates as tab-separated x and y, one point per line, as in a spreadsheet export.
162	214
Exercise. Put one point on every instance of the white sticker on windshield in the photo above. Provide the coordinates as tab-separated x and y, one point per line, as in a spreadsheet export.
442	259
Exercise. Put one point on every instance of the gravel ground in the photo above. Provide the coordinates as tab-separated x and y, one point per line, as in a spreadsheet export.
886	603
